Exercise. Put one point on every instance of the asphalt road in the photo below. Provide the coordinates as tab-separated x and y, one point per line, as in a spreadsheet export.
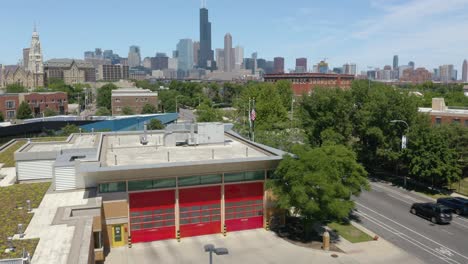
385	211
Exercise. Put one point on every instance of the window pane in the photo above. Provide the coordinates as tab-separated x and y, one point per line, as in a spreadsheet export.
189	181
205	219
140	185
164	183
234	177
216	218
112	187
254	175
211	179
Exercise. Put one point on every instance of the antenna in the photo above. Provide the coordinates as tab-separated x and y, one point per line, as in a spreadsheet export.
203	3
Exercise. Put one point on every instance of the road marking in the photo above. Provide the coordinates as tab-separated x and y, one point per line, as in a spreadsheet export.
446	231
398	193
399	199
435	242
409	239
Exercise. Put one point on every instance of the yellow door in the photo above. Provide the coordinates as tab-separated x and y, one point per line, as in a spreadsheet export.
117	236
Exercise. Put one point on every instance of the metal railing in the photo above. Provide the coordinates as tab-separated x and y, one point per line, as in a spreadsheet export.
25	259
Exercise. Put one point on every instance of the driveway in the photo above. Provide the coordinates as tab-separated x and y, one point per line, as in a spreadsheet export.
253	246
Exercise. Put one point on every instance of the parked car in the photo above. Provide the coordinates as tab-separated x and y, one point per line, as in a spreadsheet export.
458	204
437	213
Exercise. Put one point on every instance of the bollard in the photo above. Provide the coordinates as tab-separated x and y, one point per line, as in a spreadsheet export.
224	230
28	204
326	241
267	226
129	241
178	235
20	230
10	245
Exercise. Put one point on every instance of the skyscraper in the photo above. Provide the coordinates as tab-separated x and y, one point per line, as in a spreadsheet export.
196	51
238	57
205	59
350	68
446	73
228	55
465	71
185	55
395	62
301	65
278	64
254	62
411	64
134	57
219	55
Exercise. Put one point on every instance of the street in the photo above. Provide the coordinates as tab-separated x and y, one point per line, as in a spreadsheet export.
385	211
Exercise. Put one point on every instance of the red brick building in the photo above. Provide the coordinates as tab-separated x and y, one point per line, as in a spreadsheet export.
56	101
441	114
306	82
133	98
419	75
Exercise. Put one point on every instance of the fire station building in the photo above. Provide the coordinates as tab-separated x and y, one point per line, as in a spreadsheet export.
187	180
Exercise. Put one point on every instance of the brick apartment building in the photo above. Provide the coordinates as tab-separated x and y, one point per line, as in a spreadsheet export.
110	72
441	114
135	98
306	82
39	102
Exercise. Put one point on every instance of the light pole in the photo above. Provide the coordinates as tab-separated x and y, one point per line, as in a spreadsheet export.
218	251
176	103
403	142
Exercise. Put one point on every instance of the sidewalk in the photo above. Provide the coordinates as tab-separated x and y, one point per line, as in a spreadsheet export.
10	176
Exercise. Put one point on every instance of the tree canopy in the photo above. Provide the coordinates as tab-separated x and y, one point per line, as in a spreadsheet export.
149	109
24	111
16	88
102	111
206	113
155	124
104	95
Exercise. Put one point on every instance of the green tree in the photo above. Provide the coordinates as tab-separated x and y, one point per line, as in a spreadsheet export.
127	111
155	124
70	129
149	109
206	113
49	112
24	111
318	183
285	92
16	88
102	111
1	117
104	95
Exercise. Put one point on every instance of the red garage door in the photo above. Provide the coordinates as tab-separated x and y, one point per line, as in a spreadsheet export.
200	211
152	216
244	206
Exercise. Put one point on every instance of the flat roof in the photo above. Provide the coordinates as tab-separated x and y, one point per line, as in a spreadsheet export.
452	111
77	141
126	150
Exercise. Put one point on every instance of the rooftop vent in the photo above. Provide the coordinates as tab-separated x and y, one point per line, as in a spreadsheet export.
144	137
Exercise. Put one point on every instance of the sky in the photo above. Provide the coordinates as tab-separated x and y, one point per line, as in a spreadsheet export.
366	32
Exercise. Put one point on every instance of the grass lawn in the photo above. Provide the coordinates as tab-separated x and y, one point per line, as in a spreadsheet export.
7	156
48	139
461	187
350	232
13	198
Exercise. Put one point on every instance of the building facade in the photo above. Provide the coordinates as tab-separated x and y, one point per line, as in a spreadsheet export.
205	60
133	98
39	102
304	83
301	65
71	71
160	62
185	55
465	71
441	114
228	53
134	56
278	65
109	72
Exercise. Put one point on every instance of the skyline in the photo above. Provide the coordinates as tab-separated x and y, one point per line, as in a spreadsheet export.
367	33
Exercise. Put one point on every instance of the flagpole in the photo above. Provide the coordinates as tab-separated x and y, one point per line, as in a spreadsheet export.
250	122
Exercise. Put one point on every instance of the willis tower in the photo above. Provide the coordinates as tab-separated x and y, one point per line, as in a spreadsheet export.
205	59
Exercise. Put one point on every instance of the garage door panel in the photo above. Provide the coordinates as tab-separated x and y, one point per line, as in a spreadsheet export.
244	206
152	216
200	211
65	178
34	170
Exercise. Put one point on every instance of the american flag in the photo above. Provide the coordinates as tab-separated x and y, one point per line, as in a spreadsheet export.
253	115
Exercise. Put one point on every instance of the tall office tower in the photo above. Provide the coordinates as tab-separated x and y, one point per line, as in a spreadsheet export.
134	57
98	53
185	55
25	57
465	71
228	55
89	54
205	59
446	73
254	62
322	67
196	51
301	65
35	63
219	55
349	68
108	54
147	62
261	64
278	64
436	75
395	62
238	57
411	64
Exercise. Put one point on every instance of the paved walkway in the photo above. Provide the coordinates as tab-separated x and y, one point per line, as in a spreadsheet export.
9	176
253	246
55	240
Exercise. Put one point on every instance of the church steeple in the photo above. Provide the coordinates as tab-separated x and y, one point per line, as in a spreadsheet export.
35	63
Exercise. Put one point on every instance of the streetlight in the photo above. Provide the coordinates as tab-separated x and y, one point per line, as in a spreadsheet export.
218	251
403	142
176	104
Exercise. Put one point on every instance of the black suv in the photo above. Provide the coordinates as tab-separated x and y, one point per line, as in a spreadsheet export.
459	205
438	214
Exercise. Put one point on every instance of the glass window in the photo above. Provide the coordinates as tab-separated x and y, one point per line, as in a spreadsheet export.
234	177
205	219
211	179
466	123
136	227
135	214
140	185
254	175
216	218
112	187
438	120
148	225
189	181
164	183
